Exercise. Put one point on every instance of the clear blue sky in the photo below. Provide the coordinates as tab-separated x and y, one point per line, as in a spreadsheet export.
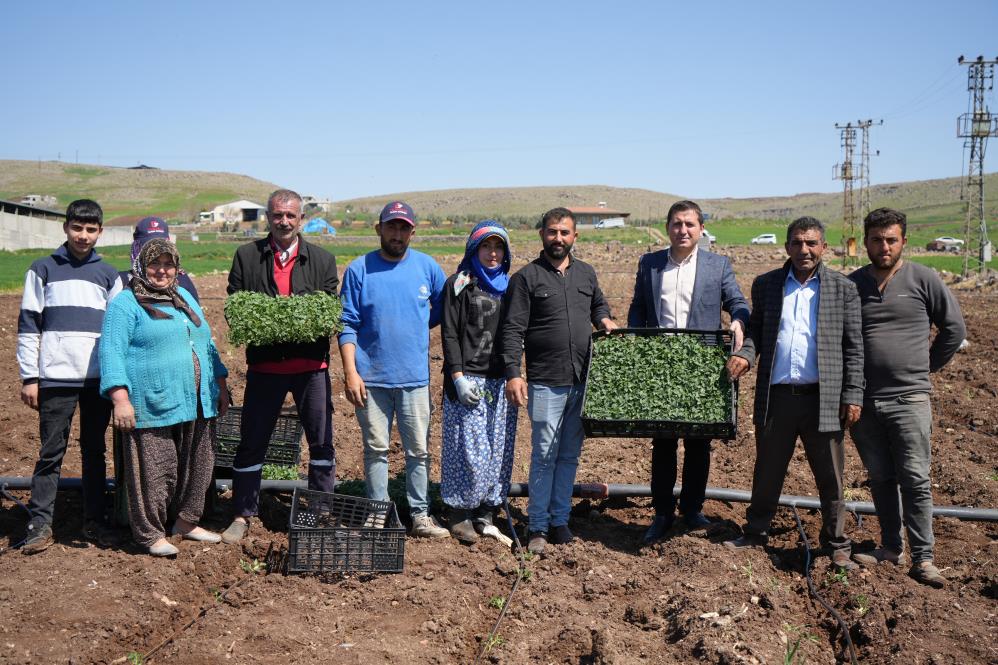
345	99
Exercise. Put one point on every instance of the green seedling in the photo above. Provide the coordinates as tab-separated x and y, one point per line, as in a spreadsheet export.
862	604
994	476
791	655
526	574
279	472
135	658
494	641
838	577
258	319
659	377
497	602
255	567
747	572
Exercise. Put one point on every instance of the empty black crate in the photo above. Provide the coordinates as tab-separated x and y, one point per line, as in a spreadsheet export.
670	429
284	448
334	533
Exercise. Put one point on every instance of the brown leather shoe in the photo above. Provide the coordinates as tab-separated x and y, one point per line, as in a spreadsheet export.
841	560
927	573
877	556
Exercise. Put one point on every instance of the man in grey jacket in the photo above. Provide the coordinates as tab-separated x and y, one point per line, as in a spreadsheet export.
806	328
900	301
684	287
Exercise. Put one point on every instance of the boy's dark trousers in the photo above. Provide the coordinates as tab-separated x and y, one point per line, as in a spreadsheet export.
55	416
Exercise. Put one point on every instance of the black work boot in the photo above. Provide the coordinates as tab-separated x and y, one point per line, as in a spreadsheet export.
461	526
483	517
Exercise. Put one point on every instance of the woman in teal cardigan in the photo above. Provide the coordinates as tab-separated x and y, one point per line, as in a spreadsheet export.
164	376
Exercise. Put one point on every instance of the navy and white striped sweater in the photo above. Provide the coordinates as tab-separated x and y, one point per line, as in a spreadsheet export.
62	310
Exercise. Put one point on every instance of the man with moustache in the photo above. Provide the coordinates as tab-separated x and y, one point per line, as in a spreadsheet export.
684	287
391	298
806	328
901	300
282	264
553	304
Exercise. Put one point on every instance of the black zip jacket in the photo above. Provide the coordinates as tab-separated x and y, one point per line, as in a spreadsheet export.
314	271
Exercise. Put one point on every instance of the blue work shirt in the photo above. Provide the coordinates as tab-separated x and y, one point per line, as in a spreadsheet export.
796	357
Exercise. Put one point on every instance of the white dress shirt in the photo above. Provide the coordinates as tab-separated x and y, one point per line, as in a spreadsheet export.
676	294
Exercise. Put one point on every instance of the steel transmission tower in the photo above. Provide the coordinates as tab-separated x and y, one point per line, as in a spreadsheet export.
975	128
864	166
845	172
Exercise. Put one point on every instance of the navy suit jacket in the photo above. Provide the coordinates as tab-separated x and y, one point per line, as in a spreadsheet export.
714	289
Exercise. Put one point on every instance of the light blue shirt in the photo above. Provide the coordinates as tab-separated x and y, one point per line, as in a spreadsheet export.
796	359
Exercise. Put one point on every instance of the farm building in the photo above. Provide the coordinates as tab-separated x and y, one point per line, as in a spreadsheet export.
593	215
237	212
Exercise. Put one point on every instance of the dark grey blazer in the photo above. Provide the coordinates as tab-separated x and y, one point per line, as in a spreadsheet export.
714	289
840	342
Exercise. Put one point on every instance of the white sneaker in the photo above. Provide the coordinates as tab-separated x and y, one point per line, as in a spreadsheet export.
424	526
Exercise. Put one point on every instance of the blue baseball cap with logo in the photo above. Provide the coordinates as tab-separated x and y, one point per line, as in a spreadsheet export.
147	229
397	210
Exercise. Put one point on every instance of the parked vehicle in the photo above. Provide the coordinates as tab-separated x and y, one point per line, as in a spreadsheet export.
709	236
610	223
949	240
940	246
764	239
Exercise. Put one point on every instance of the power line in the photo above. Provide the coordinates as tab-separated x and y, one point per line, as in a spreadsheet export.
847	172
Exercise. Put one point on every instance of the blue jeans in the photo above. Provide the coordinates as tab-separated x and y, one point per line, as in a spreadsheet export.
892	437
556	442
410	407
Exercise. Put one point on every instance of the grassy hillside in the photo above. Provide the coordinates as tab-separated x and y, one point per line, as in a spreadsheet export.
926	202
122	192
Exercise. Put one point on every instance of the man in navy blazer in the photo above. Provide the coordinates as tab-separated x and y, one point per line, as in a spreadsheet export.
684	287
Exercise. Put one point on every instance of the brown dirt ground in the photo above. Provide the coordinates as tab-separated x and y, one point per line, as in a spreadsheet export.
601	599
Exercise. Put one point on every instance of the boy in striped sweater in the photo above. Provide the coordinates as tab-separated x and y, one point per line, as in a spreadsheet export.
62	309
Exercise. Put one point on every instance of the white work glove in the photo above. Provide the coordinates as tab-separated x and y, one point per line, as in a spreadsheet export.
467	392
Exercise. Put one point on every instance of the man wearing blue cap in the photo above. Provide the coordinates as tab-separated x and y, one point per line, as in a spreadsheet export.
391	298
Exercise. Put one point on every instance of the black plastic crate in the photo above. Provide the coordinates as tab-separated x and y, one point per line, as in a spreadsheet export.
334	533
284	448
668	429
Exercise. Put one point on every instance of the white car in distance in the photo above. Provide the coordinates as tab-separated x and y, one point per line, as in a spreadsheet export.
949	240
764	239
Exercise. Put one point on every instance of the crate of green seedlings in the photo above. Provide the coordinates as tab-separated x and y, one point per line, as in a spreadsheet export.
335	533
283	449
257	319
660	382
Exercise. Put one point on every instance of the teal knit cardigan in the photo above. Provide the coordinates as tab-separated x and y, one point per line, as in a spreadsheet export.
152	359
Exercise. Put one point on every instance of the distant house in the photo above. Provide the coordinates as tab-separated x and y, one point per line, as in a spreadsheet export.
594	215
237	212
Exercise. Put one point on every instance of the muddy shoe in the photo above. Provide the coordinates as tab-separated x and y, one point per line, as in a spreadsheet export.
879	555
842	561
926	573
536	542
38	539
561	535
236	532
659	528
424	526
462	527
163	548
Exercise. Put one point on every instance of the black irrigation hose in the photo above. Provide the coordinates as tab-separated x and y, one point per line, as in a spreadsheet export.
519	576
814	591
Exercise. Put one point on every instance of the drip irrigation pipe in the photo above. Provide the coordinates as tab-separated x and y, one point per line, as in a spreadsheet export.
814	591
583	490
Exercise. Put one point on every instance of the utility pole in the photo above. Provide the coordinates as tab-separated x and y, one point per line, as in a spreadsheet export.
845	172
864	166
975	128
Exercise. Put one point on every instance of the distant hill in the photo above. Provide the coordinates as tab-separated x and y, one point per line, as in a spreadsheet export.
127	193
925	200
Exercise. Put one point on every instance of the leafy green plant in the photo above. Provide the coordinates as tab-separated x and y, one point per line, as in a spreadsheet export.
279	472
674	377
497	602
494	641
135	658
255	567
837	577
257	319
526	574
791	656
861	603
747	572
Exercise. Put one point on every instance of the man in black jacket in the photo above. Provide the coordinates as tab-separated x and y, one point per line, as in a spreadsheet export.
282	264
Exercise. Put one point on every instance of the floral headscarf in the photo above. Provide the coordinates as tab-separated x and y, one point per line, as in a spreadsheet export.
146	293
